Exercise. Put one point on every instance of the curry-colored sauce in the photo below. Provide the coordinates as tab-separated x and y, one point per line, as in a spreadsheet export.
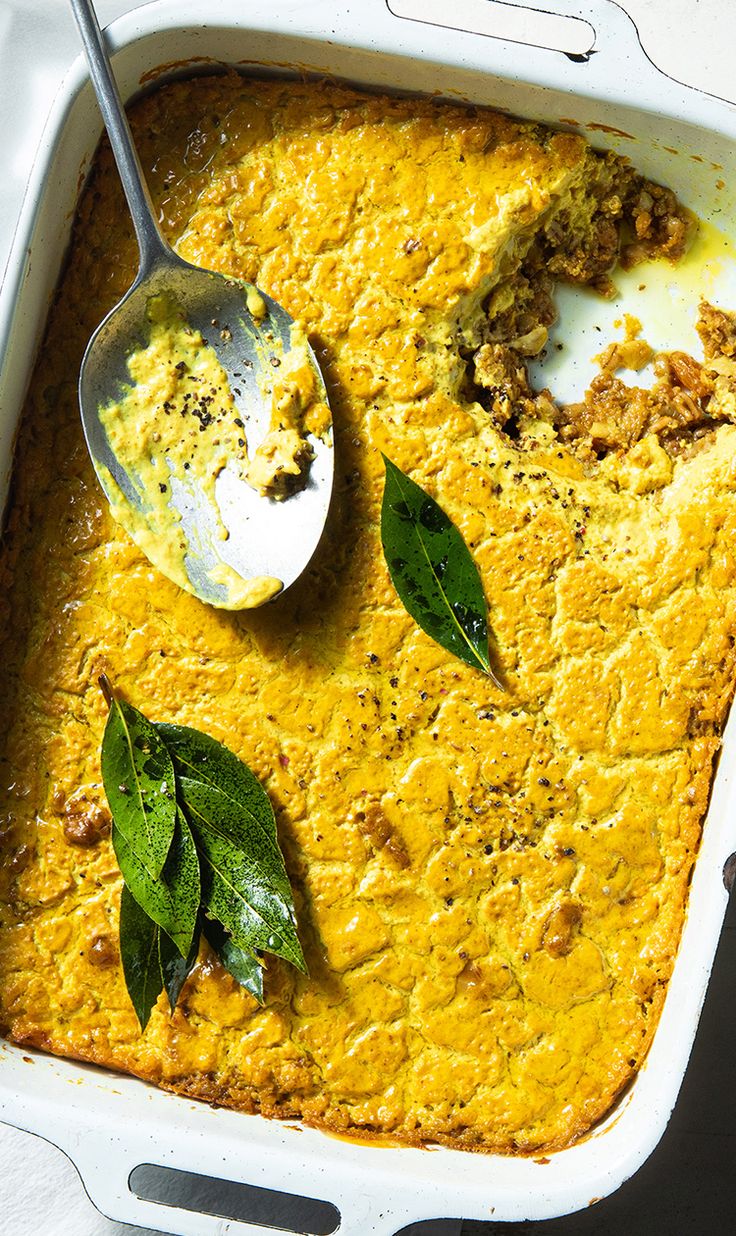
490	885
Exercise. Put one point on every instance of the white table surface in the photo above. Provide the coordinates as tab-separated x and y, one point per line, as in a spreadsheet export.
692	40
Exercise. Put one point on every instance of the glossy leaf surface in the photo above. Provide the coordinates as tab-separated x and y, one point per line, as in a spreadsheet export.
432	570
138	776
222	870
245	967
172	901
200	757
140	957
242	887
175	969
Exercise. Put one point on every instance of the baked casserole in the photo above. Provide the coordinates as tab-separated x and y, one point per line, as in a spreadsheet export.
490	881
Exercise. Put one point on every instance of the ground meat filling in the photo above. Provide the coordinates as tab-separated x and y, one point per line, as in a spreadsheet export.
627	220
687	402
631	222
717	330
504	391
614	416
520	312
660	226
581	245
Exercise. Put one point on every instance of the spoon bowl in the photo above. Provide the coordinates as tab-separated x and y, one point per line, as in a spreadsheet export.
266	538
227	543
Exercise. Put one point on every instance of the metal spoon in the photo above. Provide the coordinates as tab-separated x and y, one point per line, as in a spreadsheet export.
265	538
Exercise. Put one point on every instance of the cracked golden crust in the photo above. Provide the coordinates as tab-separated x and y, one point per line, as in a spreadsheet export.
490	886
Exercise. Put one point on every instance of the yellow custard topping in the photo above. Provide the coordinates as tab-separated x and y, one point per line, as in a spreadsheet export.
490	884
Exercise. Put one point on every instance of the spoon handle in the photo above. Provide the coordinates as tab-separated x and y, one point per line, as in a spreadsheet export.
151	243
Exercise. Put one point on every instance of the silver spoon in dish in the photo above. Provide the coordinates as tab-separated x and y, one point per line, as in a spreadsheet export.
227	540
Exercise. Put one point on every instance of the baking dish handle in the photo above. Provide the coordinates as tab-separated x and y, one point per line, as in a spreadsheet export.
604	46
106	1167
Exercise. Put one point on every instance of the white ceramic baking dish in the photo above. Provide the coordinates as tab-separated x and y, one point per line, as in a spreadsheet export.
109	1124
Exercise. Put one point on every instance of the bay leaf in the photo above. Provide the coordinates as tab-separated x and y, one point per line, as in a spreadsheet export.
138	776
244	966
223	871
241	887
200	757
254	835
139	954
171	901
432	570
175	969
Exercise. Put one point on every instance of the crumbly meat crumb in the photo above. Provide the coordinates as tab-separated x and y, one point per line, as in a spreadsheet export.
717	330
501	373
661	226
683	406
